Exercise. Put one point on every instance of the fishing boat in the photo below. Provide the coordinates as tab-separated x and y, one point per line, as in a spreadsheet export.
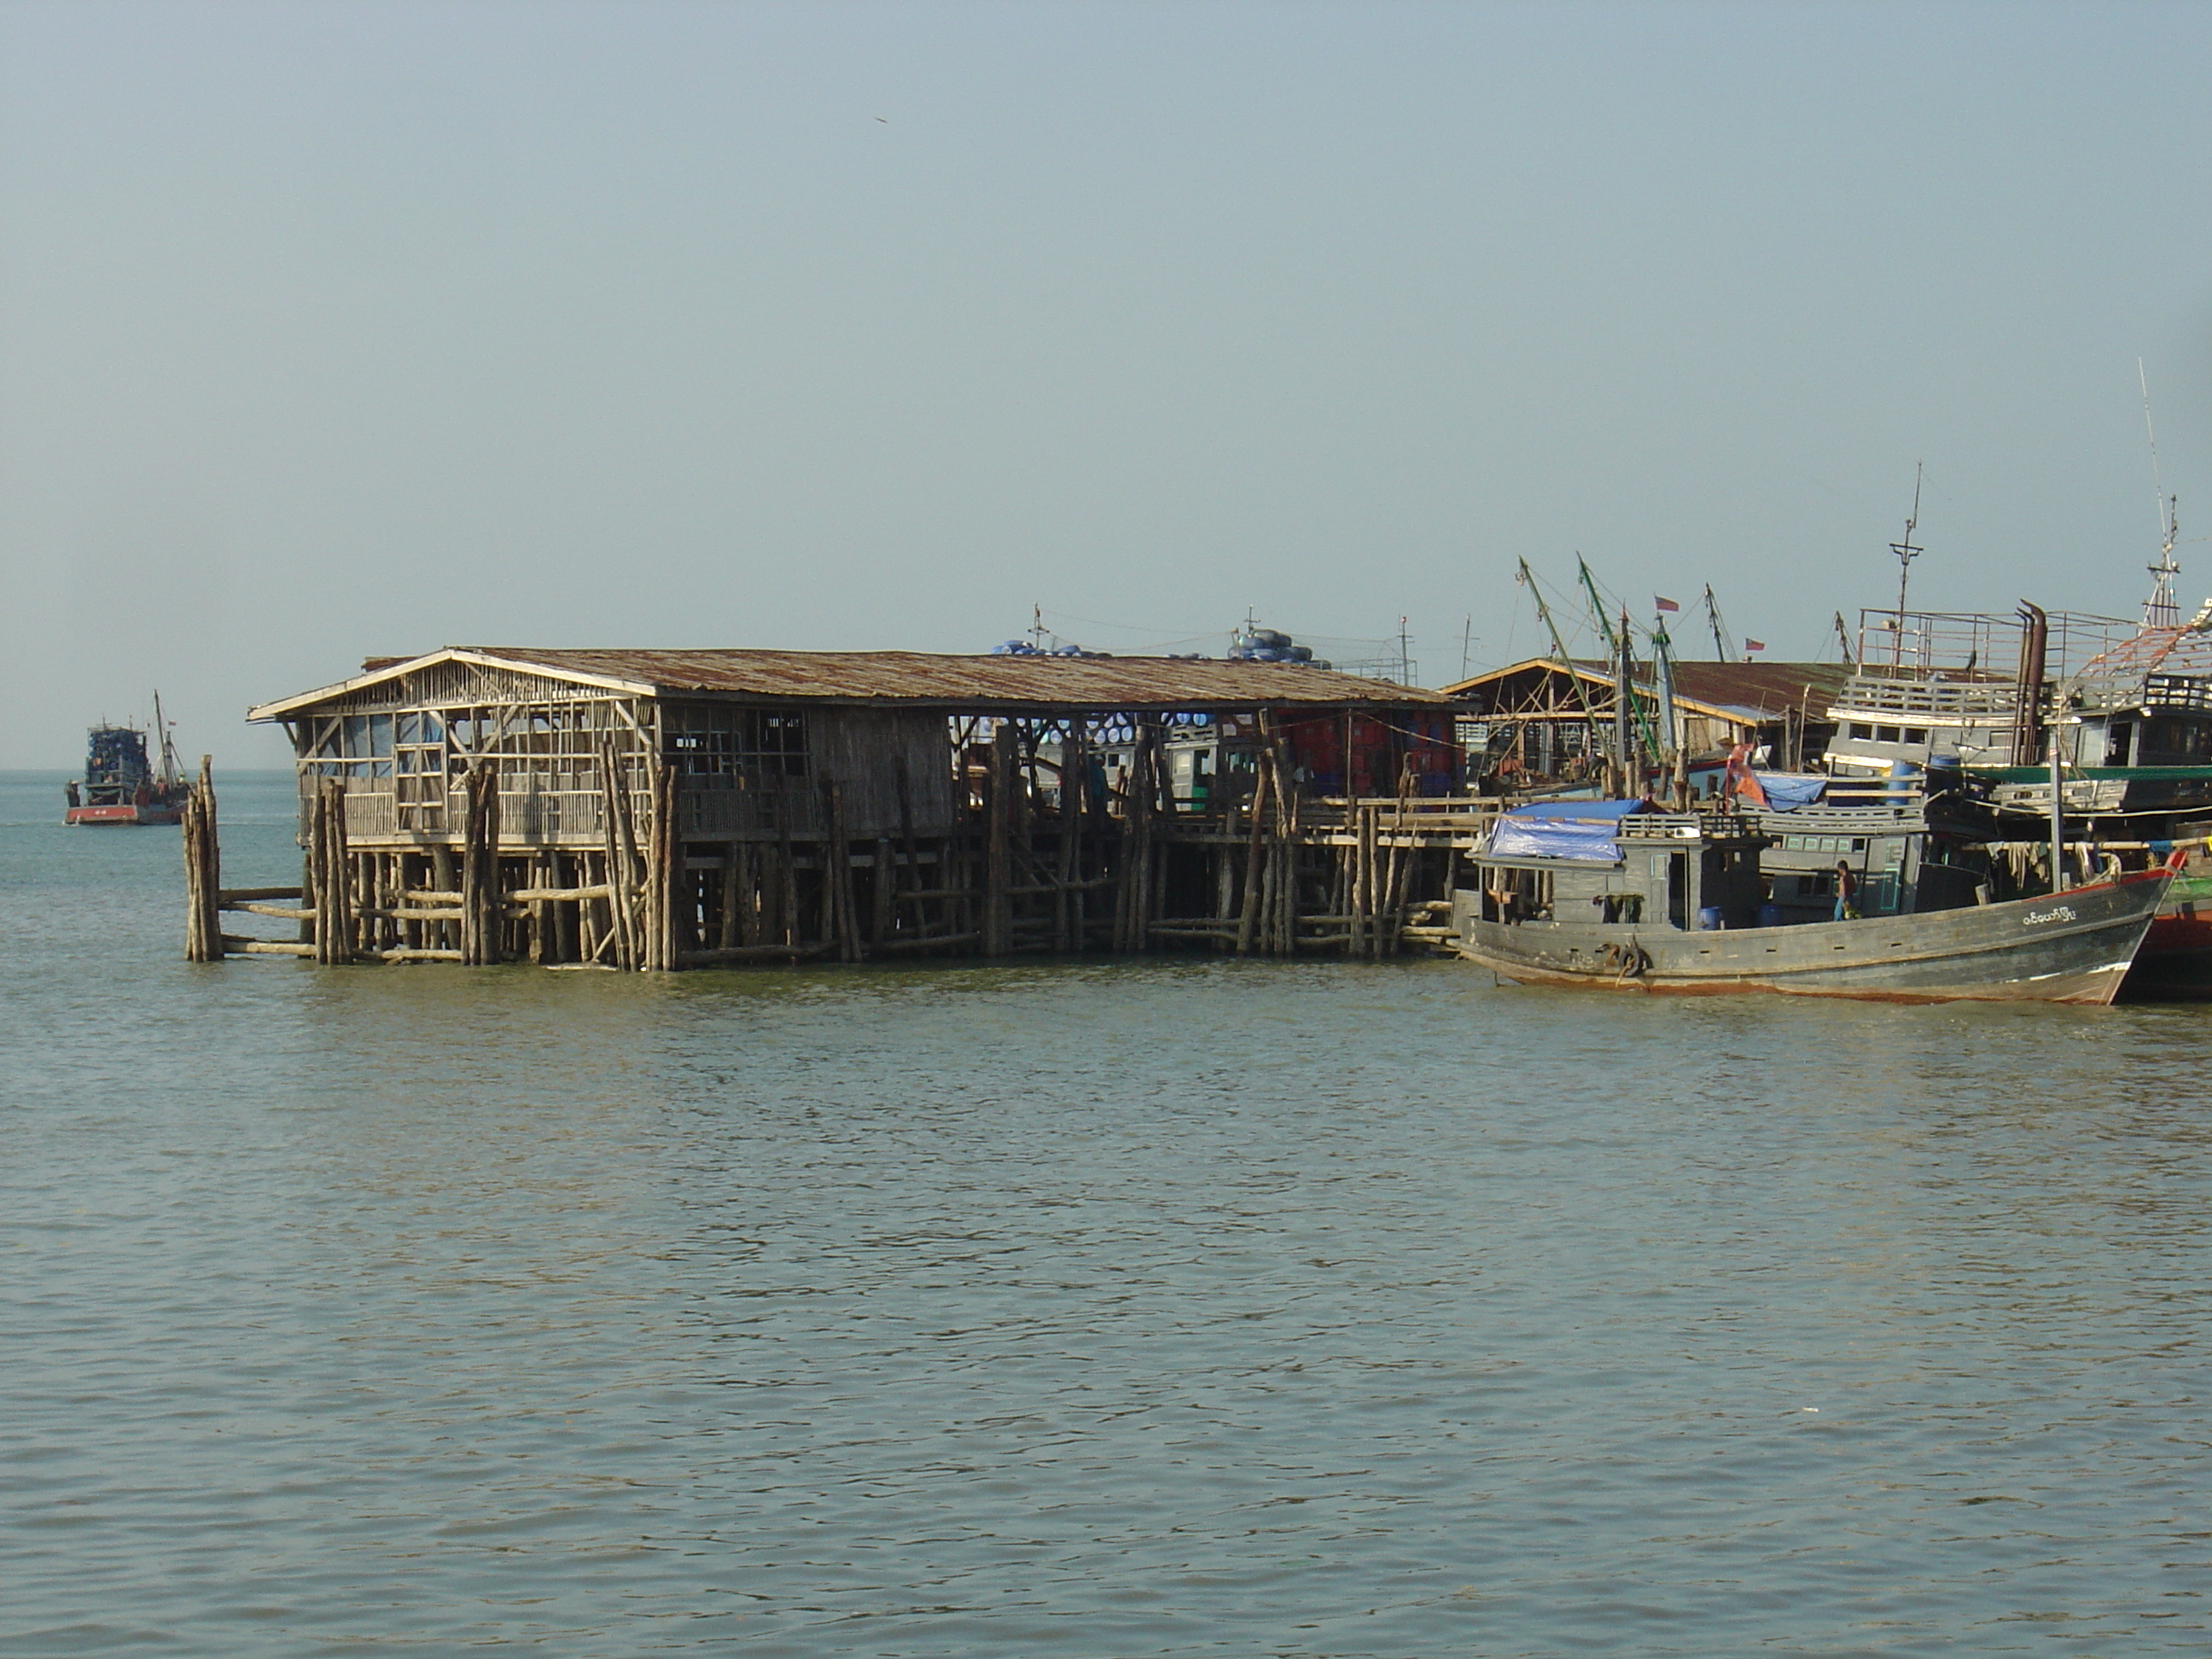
121	783
1617	895
2175	960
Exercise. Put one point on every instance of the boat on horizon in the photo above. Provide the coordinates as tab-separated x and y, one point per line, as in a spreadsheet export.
122	784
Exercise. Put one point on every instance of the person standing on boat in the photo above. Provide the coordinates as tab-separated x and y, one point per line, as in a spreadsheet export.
1847	893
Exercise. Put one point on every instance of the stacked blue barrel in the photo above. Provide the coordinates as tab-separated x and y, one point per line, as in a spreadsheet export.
1271	645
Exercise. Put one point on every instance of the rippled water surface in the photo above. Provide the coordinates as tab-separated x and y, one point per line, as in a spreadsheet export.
1095	1309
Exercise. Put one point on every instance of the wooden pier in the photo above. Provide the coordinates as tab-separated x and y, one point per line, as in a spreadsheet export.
651	811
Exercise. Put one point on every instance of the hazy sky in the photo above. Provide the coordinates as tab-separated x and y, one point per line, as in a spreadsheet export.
334	329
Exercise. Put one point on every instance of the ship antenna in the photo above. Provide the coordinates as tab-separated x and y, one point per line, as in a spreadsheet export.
1906	552
2160	610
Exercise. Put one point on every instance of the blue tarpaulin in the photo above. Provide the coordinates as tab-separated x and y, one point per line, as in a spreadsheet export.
1580	831
1788	791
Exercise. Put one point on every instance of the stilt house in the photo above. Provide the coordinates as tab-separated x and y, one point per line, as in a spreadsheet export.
656	809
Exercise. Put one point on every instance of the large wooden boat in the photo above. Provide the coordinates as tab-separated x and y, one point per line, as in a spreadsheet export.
1613	895
121	784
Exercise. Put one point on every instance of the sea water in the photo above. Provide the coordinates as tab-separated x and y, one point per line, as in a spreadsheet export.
1179	1306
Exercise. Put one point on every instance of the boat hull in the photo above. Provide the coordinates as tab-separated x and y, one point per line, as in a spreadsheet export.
129	812
2176	957
2074	946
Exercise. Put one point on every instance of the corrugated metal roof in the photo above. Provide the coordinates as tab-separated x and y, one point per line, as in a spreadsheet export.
1769	687
1765	689
983	683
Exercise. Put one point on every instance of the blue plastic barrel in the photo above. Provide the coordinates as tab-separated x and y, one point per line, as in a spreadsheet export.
1770	915
1709	919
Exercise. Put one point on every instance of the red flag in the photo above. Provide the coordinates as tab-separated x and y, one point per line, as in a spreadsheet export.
1754	645
1665	605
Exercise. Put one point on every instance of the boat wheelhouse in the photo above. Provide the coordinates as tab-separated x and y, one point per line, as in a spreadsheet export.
1970	686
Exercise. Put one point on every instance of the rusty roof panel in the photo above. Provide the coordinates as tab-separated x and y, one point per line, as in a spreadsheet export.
915	676
1771	687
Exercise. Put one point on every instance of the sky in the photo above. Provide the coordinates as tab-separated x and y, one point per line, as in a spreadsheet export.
335	330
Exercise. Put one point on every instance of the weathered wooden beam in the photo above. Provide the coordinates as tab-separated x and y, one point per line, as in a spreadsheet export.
752	953
236	946
928	942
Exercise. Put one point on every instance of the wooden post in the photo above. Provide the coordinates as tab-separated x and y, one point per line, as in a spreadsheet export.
446	877
907	843
1224	865
316	878
1151	779
203	871
308	800
567	915
334	884
997	807
1248	920
622	858
492	929
1358	875
726	933
1284	917
664	873
587	913
837	878
481	913
1074	781
1389	930
785	874
880	892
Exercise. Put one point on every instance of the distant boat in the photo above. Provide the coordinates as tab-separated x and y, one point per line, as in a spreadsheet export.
122	784
1611	895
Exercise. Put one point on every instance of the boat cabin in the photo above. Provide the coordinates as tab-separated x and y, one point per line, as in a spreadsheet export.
1625	861
1610	863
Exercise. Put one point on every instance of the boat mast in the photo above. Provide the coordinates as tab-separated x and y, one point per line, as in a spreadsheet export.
2158	609
1663	682
1621	666
1906	552
1528	578
172	774
1722	643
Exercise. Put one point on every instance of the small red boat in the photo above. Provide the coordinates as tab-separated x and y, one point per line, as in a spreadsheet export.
121	784
2175	960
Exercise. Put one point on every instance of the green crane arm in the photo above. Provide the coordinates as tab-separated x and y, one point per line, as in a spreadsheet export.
1641	704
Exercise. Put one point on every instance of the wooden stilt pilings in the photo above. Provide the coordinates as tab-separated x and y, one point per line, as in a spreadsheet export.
481	919
330	875
998	843
203	871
